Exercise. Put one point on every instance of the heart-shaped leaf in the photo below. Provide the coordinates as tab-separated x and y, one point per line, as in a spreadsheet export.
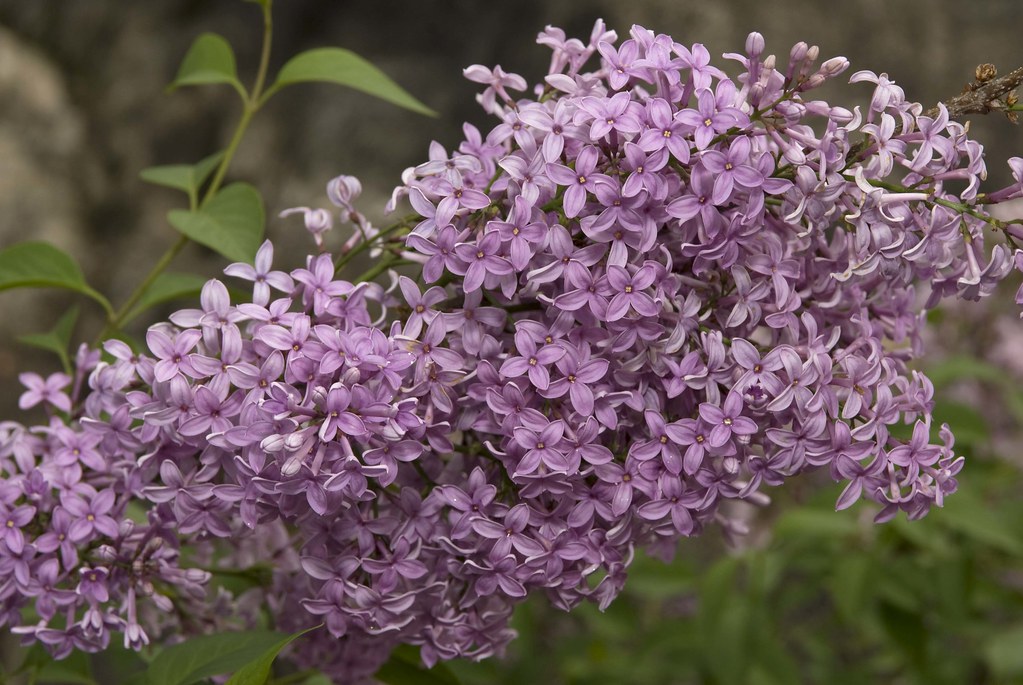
186	177
345	68
56	340
41	265
257	672
231	223
76	669
209	655
167	287
210	59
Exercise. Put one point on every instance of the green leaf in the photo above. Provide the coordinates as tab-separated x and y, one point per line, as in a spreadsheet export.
41	265
76	670
345	68
906	629
58	339
119	664
186	177
237	581
971	426
231	223
850	585
814	523
962	368
405	668
258	671
209	655
966	514
35	658
209	60
1003	654
167	287
658	581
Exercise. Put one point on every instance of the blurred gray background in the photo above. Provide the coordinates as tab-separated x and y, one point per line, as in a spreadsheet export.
83	106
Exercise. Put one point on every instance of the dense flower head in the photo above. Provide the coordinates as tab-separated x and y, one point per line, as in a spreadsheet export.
648	290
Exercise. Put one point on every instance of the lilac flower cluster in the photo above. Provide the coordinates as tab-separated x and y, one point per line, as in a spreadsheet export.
648	290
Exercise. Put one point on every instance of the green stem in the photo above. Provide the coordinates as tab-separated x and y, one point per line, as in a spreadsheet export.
384	264
251	105
362	247
949	204
264	55
114	323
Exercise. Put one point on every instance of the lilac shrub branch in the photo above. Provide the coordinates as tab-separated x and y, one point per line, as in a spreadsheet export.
251	103
647	292
988	93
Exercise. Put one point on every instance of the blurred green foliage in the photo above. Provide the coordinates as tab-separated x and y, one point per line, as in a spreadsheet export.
830	599
815	596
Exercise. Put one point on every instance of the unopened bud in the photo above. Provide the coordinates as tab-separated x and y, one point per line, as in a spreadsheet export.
318	221
754	44
293	441
812	53
798	52
815	81
834	66
756	94
197	575
272	443
342	190
292	466
985	72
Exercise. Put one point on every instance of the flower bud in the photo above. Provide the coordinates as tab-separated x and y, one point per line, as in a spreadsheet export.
754	45
985	72
195	575
342	190
815	81
318	221
106	553
834	66
272	443
798	52
293	441
163	602
292	466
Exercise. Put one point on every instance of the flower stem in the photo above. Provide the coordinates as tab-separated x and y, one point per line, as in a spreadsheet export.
382	266
250	106
342	260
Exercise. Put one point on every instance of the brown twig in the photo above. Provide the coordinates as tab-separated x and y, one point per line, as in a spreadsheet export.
983	96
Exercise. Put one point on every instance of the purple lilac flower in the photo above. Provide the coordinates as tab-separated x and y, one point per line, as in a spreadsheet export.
44	390
648	298
579	181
